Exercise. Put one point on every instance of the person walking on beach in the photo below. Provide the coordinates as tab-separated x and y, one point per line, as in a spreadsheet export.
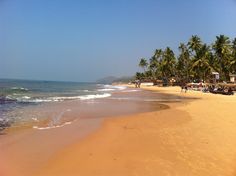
182	86
139	83
186	88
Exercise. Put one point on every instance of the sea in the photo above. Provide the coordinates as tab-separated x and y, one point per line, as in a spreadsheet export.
24	101
45	105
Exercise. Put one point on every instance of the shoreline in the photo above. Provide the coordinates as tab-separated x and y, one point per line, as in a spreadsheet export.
185	139
22	149
182	140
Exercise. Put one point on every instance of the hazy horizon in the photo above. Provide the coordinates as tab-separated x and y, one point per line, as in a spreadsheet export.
83	41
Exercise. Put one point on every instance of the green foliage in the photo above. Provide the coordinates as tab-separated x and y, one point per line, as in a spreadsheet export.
223	51
233	58
183	66
143	63
196	61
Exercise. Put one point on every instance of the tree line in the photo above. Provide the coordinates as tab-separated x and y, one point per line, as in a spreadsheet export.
195	62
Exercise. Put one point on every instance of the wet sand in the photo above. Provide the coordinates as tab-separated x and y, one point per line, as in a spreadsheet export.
196	137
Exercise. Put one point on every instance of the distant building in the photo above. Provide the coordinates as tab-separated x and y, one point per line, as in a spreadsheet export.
215	76
232	78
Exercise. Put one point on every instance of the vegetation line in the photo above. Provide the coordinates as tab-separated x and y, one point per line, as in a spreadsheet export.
195	63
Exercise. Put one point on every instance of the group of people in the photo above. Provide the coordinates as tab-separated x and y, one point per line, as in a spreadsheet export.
220	90
225	90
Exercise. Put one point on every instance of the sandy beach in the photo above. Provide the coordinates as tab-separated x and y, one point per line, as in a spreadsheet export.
192	137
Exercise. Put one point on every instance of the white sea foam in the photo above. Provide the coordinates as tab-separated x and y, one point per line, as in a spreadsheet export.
107	86
37	100
51	127
105	90
19	88
82	97
55	123
9	97
83	90
26	99
87	97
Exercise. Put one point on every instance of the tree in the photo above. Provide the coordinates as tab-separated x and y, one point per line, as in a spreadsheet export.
233	58
154	64
196	60
201	63
167	64
143	64
139	75
222	53
195	43
184	64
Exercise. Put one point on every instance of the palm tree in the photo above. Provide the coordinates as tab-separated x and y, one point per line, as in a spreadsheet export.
183	65
139	75
201	62
195	43
167	64
154	63
158	54
233	58
195	61
222	53
143	64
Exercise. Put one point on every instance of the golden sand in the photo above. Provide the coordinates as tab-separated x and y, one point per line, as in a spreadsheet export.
196	138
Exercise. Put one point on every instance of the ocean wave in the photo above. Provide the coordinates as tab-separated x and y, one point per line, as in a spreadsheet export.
19	88
107	86
105	90
26	99
87	97
85	90
56	121
6	99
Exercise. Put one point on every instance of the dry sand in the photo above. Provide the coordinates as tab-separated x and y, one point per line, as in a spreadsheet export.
191	138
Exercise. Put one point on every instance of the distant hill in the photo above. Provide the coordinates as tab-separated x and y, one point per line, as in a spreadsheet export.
106	80
112	79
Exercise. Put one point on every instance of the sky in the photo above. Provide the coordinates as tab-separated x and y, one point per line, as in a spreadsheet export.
84	40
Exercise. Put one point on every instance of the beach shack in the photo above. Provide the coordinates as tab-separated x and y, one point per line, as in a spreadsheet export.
215	77
147	83
232	78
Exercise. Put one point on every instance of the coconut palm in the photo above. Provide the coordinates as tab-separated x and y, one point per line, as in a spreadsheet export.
222	53
167	64
143	64
154	63
196	60
158	54
139	75
201	62
233	58
195	43
184	63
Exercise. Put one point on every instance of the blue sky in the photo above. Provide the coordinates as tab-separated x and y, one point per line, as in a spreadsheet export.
83	40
